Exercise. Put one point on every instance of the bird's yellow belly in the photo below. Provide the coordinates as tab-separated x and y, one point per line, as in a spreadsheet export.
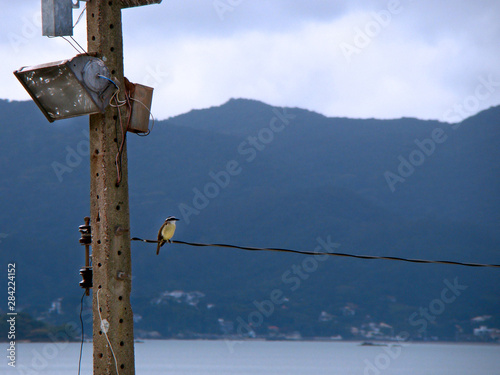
168	231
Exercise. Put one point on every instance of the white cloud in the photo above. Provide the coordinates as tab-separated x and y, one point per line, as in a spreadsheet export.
424	59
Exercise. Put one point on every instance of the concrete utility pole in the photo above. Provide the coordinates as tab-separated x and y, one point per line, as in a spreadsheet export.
109	204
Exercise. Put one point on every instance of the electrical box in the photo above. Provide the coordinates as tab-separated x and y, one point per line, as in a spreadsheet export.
57	17
141	97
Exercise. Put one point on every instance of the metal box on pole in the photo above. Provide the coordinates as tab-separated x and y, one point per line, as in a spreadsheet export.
142	97
57	17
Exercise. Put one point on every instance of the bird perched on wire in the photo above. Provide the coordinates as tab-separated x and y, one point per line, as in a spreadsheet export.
166	232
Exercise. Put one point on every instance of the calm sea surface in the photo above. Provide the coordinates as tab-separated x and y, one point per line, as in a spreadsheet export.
271	357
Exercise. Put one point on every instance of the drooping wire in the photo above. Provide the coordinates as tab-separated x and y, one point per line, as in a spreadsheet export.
326	253
119	103
104	329
118	159
80	16
81	342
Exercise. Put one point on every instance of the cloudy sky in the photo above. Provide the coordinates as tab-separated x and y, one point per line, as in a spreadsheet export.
384	59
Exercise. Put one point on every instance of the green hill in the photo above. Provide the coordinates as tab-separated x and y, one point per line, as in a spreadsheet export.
296	177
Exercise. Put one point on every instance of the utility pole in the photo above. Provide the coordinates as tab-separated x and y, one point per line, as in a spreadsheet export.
109	203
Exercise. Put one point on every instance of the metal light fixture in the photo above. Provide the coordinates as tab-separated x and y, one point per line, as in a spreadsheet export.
69	88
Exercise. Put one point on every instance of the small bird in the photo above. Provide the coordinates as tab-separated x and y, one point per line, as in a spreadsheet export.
166	232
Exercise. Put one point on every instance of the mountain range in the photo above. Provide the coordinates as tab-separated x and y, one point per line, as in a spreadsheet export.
250	174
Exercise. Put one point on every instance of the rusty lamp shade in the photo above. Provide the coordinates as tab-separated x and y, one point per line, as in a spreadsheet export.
68	88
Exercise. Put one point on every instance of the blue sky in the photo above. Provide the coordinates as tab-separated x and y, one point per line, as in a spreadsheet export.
382	59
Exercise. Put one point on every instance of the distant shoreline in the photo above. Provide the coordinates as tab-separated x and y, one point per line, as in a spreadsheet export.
368	343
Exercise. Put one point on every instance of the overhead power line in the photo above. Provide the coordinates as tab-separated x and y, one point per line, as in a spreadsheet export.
326	253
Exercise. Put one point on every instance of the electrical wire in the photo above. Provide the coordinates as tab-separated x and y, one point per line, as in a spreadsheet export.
105	331
129	104
326	253
118	159
73	39
80	16
119	102
78	44
71	44
110	80
81	343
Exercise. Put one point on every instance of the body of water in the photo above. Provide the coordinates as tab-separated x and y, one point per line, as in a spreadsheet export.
174	357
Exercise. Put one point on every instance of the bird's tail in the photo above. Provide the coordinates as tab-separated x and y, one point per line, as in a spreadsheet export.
158	248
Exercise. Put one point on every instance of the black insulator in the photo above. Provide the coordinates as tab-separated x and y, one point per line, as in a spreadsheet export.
85	239
84	229
86	274
86	232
